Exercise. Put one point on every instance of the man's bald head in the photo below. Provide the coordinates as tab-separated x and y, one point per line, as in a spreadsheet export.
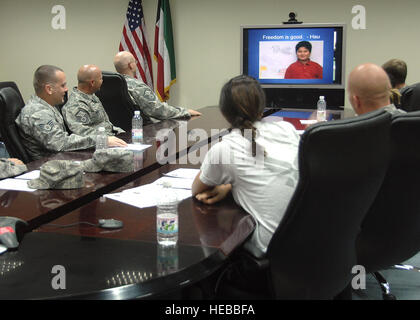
89	78
123	62
88	72
369	88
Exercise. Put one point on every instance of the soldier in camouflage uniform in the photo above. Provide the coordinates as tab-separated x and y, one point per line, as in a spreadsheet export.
84	112
141	94
41	125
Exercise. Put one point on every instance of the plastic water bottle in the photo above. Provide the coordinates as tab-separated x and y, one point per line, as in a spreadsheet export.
321	109
101	139
167	220
167	260
137	128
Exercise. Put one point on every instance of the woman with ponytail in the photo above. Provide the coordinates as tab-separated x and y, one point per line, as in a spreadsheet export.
256	161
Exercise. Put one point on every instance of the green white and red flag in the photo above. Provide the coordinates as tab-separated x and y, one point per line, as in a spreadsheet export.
164	53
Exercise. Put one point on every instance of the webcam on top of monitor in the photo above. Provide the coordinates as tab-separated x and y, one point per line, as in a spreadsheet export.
292	19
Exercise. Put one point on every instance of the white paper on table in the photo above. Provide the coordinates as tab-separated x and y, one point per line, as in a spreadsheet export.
174	183
186	173
307	121
29	175
146	196
15	184
2	248
135	147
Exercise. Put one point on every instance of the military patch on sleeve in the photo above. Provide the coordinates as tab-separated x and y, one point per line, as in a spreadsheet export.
82	116
46	127
149	95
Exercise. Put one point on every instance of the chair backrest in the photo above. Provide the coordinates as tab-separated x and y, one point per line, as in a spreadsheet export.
11	84
410	97
11	103
116	100
391	229
341	167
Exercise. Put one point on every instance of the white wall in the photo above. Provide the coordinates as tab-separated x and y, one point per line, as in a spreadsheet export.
92	35
206	34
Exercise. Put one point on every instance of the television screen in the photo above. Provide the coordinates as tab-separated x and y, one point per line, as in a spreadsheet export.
294	56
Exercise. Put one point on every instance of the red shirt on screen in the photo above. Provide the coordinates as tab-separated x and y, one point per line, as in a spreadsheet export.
299	70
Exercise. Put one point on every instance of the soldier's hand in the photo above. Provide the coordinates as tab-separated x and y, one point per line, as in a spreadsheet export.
116	142
15	161
194	113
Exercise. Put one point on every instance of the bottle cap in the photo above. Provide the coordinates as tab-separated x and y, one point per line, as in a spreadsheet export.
321	97
136	112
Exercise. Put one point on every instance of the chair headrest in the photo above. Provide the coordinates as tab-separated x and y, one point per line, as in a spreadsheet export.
14	104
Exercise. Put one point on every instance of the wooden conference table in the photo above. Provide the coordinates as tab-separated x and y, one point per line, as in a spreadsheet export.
126	263
42	206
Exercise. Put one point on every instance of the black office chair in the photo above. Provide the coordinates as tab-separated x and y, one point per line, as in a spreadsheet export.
410	97
116	100
391	230
11	84
341	167
11	103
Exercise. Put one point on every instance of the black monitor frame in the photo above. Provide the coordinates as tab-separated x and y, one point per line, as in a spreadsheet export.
302	96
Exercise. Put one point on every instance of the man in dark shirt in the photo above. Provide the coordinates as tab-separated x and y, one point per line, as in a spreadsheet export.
406	97
304	68
396	70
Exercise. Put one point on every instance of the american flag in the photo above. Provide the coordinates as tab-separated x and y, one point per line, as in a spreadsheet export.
134	40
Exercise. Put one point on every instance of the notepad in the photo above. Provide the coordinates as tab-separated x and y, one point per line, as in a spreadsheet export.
178	181
146	196
308	121
175	183
29	175
135	147
185	173
15	184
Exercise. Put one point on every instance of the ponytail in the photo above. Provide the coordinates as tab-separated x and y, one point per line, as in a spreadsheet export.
242	102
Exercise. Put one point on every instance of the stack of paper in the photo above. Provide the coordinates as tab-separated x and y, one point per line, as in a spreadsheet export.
179	183
15	184
19	183
29	175
135	147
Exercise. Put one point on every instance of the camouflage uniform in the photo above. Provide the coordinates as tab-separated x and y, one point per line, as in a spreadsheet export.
43	131
148	103
59	174
84	114
10	169
112	160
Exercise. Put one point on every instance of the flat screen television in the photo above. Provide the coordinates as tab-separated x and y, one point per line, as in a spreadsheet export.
273	55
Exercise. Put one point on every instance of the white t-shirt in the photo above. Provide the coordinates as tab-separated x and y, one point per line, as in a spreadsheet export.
261	185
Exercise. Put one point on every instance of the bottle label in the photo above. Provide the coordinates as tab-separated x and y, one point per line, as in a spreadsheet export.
137	133
321	115
167	224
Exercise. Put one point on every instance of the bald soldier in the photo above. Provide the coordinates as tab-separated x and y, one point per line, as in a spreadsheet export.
84	112
369	89
141	94
41	125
